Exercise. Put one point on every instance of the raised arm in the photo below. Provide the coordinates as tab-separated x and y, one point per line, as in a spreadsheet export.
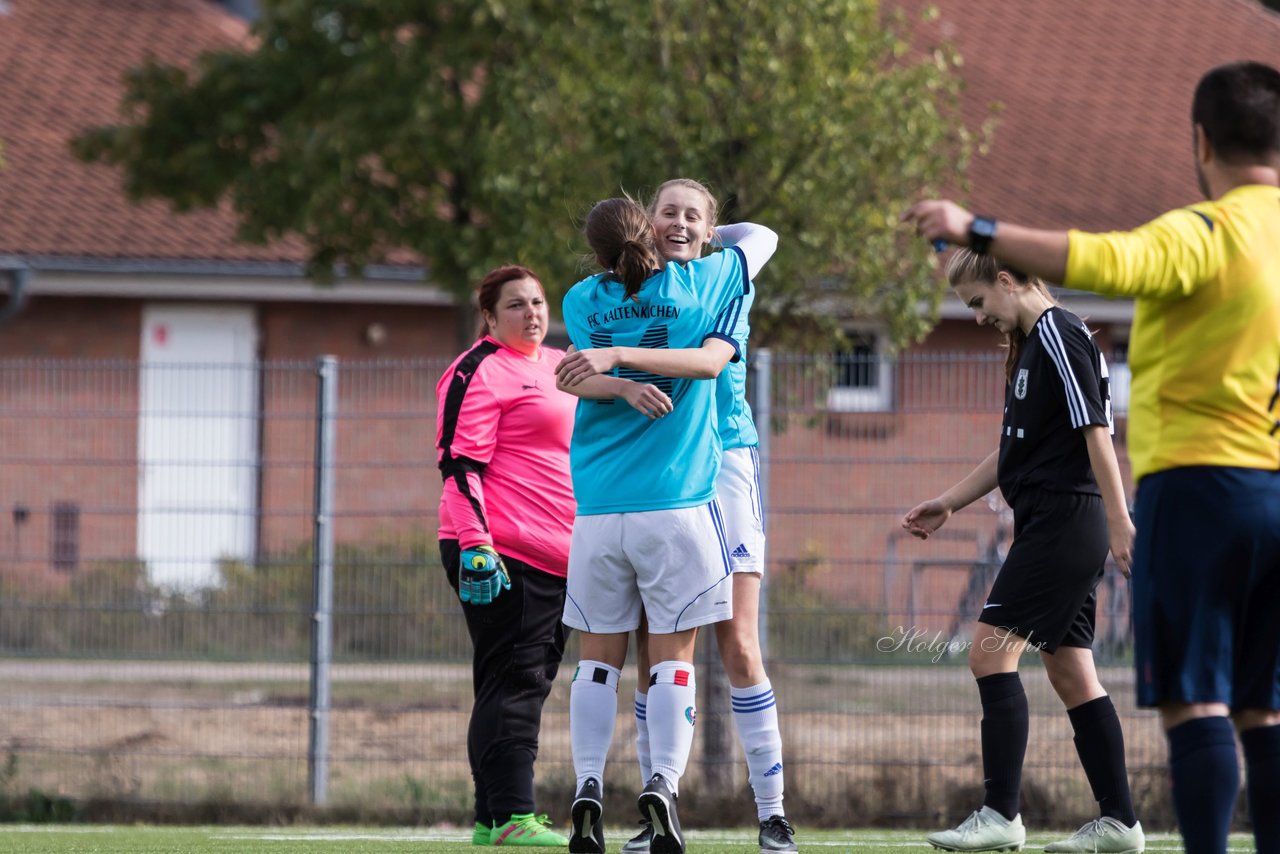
1167	257
1036	251
756	242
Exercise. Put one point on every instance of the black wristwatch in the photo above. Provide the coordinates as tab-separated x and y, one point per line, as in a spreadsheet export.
981	232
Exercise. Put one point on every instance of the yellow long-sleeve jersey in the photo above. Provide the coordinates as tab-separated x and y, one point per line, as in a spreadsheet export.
1204	352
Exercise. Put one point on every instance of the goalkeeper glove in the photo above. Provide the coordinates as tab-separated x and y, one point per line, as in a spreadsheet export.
481	576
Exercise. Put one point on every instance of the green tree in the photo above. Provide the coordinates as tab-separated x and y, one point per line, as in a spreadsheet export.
478	132
815	117
367	127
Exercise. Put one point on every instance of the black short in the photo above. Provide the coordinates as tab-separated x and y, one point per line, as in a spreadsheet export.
1045	589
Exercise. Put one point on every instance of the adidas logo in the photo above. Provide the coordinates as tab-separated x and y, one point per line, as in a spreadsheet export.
741	551
775	770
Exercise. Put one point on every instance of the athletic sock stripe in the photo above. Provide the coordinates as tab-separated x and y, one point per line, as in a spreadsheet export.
739	698
766	697
755	710
597	673
755	707
678	677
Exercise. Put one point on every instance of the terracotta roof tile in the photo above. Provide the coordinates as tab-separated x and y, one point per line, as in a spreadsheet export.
62	63
1093	131
1095	127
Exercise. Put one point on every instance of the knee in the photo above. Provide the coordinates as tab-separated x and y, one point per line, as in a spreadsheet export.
983	663
740	654
1067	685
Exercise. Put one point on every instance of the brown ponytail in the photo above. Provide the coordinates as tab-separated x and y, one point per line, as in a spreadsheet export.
621	236
966	265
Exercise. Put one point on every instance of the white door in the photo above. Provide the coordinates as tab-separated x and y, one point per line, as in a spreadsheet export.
197	441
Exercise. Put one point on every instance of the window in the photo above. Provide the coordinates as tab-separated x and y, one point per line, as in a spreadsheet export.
862	375
64	546
1118	372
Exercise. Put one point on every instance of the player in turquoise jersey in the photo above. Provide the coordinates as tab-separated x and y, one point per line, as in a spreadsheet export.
649	532
684	216
1204	438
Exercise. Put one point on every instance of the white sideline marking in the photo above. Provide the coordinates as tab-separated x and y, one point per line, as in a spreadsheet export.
702	835
1171	841
56	828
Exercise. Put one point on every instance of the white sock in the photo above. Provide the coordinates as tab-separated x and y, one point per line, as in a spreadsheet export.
756	715
593	705
671	713
642	737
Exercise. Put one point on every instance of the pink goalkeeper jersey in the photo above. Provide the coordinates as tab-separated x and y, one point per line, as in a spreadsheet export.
502	443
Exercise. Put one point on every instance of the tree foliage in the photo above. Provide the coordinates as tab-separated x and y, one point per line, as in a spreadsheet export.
814	117
478	132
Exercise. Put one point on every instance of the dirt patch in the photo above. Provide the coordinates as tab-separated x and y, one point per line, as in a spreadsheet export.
868	744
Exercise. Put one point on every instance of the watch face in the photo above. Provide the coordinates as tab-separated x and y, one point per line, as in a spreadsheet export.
983	227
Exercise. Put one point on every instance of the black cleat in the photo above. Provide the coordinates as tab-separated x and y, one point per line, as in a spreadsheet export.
587	836
658	804
777	834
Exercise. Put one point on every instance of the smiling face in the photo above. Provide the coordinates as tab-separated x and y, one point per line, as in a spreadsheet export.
519	318
681	223
993	304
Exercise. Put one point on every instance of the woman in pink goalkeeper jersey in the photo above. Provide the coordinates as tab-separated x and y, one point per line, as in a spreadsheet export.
502	437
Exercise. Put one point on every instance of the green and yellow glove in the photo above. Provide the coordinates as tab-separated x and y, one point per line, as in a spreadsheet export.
481	576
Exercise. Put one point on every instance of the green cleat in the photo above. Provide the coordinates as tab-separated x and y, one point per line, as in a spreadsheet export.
480	835
528	830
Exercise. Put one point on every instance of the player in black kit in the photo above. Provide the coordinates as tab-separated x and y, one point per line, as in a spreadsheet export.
1057	469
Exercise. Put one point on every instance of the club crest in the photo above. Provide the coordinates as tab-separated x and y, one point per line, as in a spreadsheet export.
1020	385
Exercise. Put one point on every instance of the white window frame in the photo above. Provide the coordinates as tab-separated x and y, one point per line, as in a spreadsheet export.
877	398
1118	375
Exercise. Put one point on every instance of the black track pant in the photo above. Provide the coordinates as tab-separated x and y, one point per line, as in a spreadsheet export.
518	641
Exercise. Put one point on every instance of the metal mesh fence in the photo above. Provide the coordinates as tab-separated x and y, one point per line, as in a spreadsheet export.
156	575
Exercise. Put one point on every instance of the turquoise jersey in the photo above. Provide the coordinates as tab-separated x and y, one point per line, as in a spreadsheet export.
736	426
621	461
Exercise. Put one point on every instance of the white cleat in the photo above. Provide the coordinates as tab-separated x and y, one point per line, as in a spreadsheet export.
984	830
1102	836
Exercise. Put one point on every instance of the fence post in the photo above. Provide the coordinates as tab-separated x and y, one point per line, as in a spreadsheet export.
322	581
719	757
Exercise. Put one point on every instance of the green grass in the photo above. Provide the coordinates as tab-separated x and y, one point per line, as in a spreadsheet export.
106	839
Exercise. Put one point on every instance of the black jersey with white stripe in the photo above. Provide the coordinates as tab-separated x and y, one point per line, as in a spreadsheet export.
1058	387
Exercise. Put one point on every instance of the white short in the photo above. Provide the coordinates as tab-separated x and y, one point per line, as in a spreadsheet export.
738	489
673	563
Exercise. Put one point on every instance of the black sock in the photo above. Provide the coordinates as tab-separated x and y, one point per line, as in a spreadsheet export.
1206	777
1262	775
1100	745
1005	722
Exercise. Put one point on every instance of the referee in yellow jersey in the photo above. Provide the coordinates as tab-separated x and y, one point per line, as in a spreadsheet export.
1204	441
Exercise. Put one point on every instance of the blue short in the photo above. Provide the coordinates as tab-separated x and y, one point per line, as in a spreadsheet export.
1206	587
